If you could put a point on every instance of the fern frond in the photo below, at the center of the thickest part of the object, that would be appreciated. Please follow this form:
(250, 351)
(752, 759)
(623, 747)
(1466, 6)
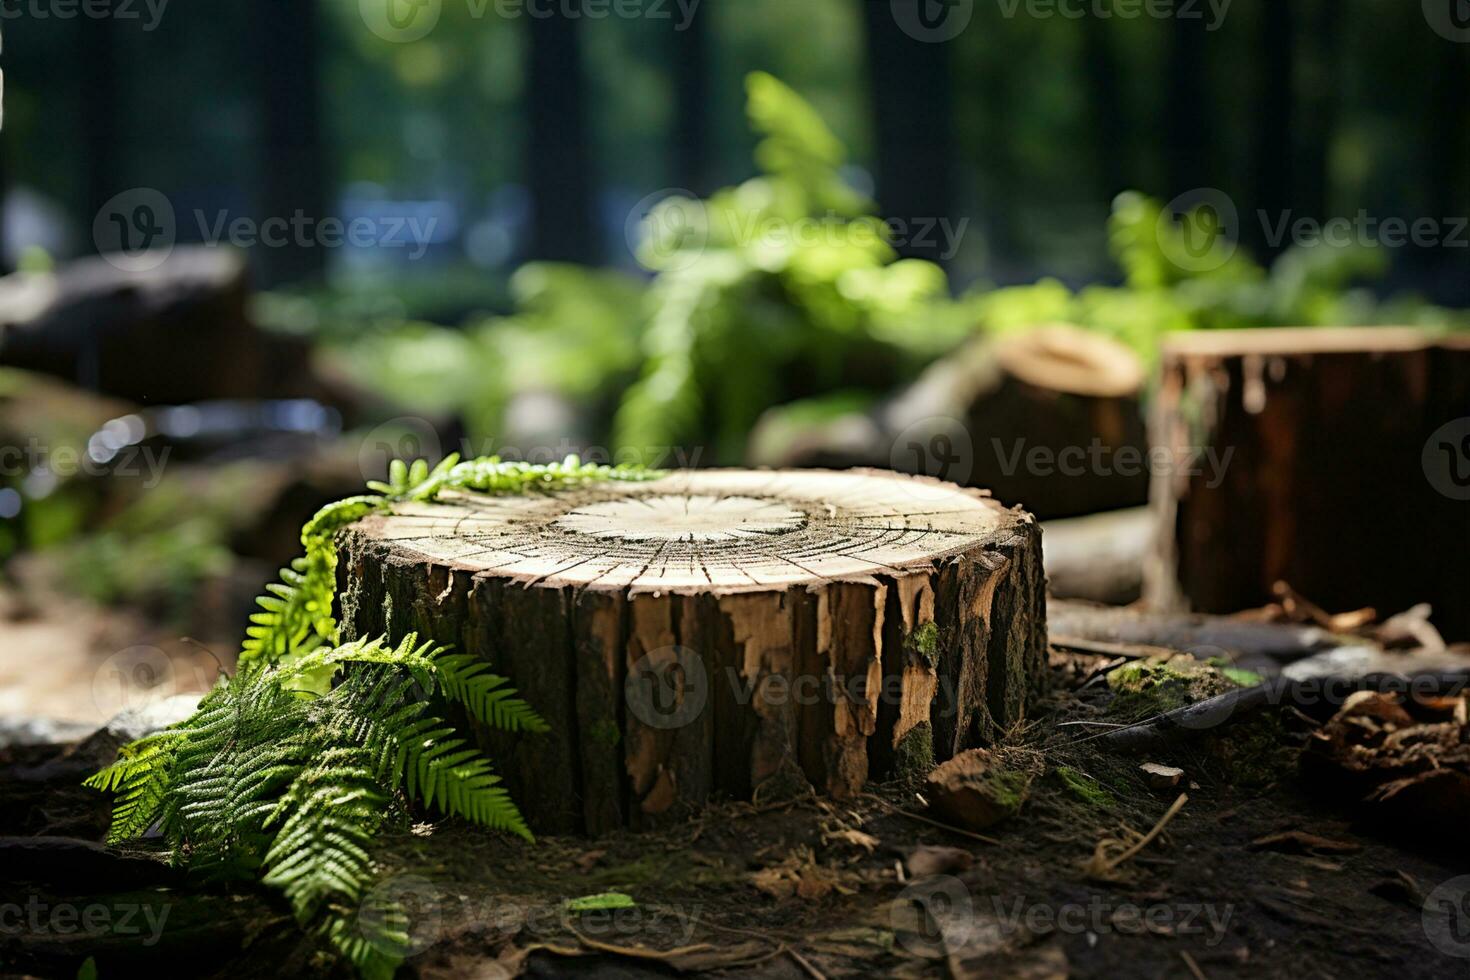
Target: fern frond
(324, 663)
(139, 780)
(468, 681)
(375, 940)
(439, 770)
(327, 821)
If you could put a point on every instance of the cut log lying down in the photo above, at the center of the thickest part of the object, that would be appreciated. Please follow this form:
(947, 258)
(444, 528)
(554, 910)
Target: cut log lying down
(1337, 460)
(1099, 557)
(1316, 694)
(1202, 635)
(719, 633)
(179, 332)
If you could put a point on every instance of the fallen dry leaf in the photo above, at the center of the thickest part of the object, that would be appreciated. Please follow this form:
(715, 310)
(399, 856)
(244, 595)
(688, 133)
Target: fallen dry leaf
(1160, 776)
(799, 876)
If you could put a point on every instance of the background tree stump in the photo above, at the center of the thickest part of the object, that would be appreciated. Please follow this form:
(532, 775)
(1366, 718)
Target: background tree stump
(1021, 415)
(719, 633)
(1348, 475)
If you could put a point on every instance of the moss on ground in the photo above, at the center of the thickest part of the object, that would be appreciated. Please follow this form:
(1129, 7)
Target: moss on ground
(1144, 688)
(1085, 788)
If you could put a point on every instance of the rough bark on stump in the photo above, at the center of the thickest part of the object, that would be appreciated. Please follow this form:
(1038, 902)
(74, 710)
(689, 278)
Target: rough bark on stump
(718, 634)
(1334, 483)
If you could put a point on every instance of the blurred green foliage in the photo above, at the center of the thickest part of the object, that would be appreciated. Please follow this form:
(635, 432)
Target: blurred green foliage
(786, 287)
(1164, 290)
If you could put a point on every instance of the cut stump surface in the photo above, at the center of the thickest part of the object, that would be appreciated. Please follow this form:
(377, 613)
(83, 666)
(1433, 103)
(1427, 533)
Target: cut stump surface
(718, 633)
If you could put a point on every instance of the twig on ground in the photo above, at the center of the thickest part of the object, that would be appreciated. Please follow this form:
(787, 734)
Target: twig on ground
(1101, 866)
(806, 965)
(1189, 961)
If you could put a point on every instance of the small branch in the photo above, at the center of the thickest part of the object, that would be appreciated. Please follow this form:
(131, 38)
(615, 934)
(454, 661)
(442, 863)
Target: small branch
(1101, 866)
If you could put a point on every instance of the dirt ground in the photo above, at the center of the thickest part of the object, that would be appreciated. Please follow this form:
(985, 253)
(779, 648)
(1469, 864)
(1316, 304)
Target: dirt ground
(1264, 870)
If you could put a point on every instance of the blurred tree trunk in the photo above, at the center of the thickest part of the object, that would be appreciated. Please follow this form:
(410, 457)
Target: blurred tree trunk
(1100, 64)
(100, 114)
(1274, 168)
(293, 167)
(559, 159)
(1188, 109)
(5, 259)
(1446, 142)
(1320, 109)
(692, 106)
(913, 128)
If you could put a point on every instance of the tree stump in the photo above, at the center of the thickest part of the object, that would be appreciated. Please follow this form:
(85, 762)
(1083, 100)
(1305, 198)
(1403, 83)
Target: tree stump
(718, 634)
(1048, 417)
(1348, 472)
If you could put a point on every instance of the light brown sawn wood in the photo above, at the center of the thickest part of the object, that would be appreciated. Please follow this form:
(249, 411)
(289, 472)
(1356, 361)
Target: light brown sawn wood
(721, 633)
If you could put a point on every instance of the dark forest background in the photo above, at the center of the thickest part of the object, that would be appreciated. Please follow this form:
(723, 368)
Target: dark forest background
(533, 137)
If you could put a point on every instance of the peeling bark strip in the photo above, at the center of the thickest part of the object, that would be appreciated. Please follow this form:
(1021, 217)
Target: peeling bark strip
(718, 634)
(1337, 460)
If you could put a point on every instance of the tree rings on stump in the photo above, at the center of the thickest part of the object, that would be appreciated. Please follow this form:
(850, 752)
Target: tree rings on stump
(718, 634)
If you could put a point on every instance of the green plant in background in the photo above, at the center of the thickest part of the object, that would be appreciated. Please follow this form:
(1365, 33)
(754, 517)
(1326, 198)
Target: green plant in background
(781, 287)
(1225, 288)
(291, 767)
(156, 549)
(786, 289)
